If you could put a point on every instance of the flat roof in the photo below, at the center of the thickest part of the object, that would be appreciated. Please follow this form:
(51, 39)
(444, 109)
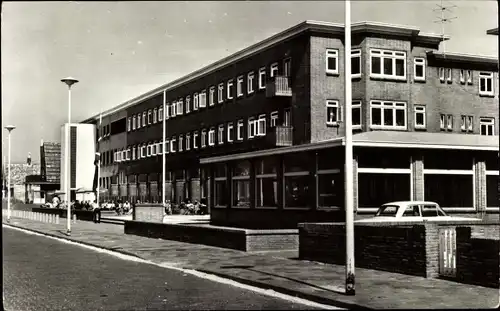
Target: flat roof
(384, 139)
(464, 58)
(360, 27)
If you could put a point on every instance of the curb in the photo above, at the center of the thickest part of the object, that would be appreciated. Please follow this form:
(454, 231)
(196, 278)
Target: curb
(75, 241)
(290, 292)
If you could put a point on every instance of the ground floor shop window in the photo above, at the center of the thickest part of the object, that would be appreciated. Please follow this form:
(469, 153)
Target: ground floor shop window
(449, 190)
(267, 192)
(492, 191)
(297, 191)
(377, 189)
(241, 193)
(220, 198)
(330, 190)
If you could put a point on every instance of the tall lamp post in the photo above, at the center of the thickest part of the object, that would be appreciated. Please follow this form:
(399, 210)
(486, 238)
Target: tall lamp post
(9, 128)
(164, 162)
(69, 82)
(349, 193)
(98, 155)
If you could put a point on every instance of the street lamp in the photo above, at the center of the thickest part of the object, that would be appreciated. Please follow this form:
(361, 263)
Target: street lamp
(69, 81)
(9, 128)
(98, 156)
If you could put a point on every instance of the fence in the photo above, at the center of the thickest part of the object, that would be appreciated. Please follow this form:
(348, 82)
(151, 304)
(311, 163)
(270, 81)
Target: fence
(42, 217)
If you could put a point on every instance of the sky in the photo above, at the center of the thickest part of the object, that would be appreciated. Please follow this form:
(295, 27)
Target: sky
(120, 50)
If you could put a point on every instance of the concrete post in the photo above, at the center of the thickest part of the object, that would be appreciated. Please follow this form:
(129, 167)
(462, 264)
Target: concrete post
(57, 219)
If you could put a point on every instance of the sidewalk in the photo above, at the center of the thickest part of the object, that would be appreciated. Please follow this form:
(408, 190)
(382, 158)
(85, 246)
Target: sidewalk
(281, 271)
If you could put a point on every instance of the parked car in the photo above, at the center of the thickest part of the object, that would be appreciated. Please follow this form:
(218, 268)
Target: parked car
(414, 211)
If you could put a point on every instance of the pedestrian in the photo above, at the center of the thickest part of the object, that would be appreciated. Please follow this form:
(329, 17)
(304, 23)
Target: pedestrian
(96, 212)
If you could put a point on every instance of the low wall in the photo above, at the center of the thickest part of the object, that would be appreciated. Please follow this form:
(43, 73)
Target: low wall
(477, 259)
(63, 213)
(225, 237)
(148, 212)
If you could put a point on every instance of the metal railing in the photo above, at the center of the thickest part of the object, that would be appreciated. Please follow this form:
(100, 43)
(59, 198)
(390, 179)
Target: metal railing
(284, 135)
(279, 86)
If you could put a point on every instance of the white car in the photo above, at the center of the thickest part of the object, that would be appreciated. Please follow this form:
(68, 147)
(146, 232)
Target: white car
(412, 211)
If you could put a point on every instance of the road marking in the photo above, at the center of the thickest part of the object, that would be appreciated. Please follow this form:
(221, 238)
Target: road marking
(211, 277)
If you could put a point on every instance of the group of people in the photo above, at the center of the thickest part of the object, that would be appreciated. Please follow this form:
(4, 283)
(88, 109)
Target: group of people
(121, 208)
(196, 208)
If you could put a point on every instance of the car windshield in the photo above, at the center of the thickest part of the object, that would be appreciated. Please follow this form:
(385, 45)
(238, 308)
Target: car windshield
(432, 211)
(387, 210)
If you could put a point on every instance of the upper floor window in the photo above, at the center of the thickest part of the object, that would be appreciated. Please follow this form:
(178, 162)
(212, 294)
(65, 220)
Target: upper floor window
(469, 76)
(160, 148)
(144, 119)
(356, 63)
(230, 130)
(220, 93)
(153, 149)
(466, 123)
(155, 115)
(332, 61)
(239, 86)
(180, 106)
(138, 121)
(173, 144)
(446, 122)
(188, 142)
(388, 64)
(211, 137)
(274, 118)
(160, 113)
(150, 117)
(143, 151)
(173, 110)
(274, 70)
(203, 138)
(203, 99)
(388, 114)
(168, 111)
(250, 79)
(188, 104)
(487, 126)
(211, 97)
(133, 152)
(332, 112)
(149, 150)
(195, 140)
(133, 122)
(220, 134)
(356, 114)
(251, 127)
(261, 126)
(419, 69)
(419, 116)
(486, 83)
(166, 146)
(239, 130)
(449, 75)
(462, 76)
(230, 89)
(262, 78)
(181, 143)
(441, 74)
(196, 101)
(287, 67)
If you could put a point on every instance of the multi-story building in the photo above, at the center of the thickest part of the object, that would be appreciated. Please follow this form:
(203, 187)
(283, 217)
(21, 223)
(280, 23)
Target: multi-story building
(259, 134)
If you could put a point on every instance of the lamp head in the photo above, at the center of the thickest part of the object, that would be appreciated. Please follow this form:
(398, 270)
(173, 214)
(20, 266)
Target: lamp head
(10, 128)
(69, 81)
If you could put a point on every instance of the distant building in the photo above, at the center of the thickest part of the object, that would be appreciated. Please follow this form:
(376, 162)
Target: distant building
(18, 174)
(41, 187)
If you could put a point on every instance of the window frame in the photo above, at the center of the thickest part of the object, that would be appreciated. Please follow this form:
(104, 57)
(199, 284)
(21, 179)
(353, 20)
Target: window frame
(202, 98)
(462, 76)
(239, 86)
(220, 134)
(261, 125)
(332, 53)
(134, 123)
(273, 69)
(144, 119)
(262, 78)
(483, 77)
(155, 115)
(173, 148)
(188, 141)
(332, 103)
(250, 80)
(150, 117)
(383, 54)
(129, 124)
(230, 128)
(418, 61)
(394, 106)
(203, 138)
(419, 109)
(449, 75)
(449, 125)
(469, 77)
(230, 84)
(220, 93)
(188, 104)
(239, 129)
(273, 119)
(356, 53)
(211, 136)
(160, 114)
(251, 128)
(211, 97)
(195, 136)
(357, 104)
(173, 110)
(487, 121)
(180, 145)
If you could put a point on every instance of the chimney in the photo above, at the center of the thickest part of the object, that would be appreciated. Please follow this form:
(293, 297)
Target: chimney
(41, 142)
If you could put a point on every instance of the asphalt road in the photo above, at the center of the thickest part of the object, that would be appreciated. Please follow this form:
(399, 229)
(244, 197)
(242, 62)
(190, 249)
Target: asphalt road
(44, 274)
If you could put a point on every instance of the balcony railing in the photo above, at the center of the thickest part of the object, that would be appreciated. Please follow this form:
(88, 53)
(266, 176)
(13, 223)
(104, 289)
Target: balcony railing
(282, 136)
(279, 86)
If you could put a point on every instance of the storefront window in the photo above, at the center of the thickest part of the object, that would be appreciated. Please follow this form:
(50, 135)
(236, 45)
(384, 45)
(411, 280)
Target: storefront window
(241, 184)
(297, 191)
(492, 191)
(298, 162)
(377, 189)
(375, 158)
(330, 159)
(267, 165)
(330, 190)
(267, 192)
(220, 193)
(449, 190)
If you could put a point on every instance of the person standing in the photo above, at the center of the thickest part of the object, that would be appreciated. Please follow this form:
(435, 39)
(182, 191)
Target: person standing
(96, 212)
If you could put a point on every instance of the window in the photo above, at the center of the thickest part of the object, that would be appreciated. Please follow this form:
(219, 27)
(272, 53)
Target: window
(274, 70)
(462, 76)
(266, 182)
(332, 112)
(188, 142)
(469, 76)
(239, 86)
(211, 137)
(133, 153)
(241, 184)
(332, 61)
(196, 101)
(487, 126)
(134, 124)
(188, 104)
(377, 189)
(419, 117)
(442, 122)
(230, 89)
(419, 69)
(129, 124)
(251, 127)
(155, 115)
(150, 117)
(466, 123)
(239, 130)
(388, 64)
(203, 138)
(172, 144)
(160, 113)
(160, 148)
(250, 83)
(144, 119)
(441, 74)
(449, 75)
(148, 150)
(449, 122)
(230, 130)
(262, 78)
(356, 63)
(203, 99)
(167, 111)
(220, 134)
(356, 114)
(180, 106)
(167, 146)
(297, 180)
(195, 140)
(220, 185)
(274, 118)
(181, 143)
(457, 193)
(153, 149)
(330, 189)
(386, 114)
(220, 93)
(485, 83)
(287, 67)
(261, 126)
(211, 98)
(143, 151)
(173, 110)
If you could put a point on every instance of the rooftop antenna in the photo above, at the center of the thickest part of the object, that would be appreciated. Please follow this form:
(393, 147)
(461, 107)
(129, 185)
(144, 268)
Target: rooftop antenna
(445, 9)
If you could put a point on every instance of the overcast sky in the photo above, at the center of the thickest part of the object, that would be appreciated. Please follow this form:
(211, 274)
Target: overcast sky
(119, 50)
